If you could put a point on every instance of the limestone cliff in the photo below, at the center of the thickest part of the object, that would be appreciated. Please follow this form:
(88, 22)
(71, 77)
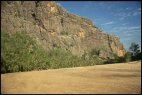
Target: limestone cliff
(54, 27)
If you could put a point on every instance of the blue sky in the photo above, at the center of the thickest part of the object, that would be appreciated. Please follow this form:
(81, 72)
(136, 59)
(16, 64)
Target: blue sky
(120, 18)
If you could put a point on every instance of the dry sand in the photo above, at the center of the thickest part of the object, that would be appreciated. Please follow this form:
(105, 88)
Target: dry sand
(109, 79)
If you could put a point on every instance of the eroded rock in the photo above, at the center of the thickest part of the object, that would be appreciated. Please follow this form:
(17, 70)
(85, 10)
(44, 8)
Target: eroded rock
(53, 26)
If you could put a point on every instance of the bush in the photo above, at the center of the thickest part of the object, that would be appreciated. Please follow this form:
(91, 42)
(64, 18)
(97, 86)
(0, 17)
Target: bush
(118, 59)
(21, 53)
(94, 52)
(128, 57)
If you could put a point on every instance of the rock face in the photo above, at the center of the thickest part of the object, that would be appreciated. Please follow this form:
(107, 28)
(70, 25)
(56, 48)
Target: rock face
(54, 27)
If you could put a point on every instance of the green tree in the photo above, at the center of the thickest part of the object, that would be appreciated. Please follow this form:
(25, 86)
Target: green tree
(94, 52)
(128, 56)
(134, 49)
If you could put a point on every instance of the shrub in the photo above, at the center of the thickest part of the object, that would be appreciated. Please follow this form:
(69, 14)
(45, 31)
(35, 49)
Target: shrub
(128, 57)
(21, 53)
(94, 52)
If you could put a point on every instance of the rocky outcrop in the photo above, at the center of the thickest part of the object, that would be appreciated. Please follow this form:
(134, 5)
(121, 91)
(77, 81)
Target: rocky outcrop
(54, 27)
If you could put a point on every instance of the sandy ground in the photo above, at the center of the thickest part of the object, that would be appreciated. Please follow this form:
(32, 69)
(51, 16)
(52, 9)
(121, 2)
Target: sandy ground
(112, 78)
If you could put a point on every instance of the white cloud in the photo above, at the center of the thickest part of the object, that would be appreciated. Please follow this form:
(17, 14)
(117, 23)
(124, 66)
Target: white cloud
(126, 14)
(139, 9)
(126, 29)
(107, 23)
(122, 15)
(134, 27)
(136, 13)
(127, 33)
(128, 8)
